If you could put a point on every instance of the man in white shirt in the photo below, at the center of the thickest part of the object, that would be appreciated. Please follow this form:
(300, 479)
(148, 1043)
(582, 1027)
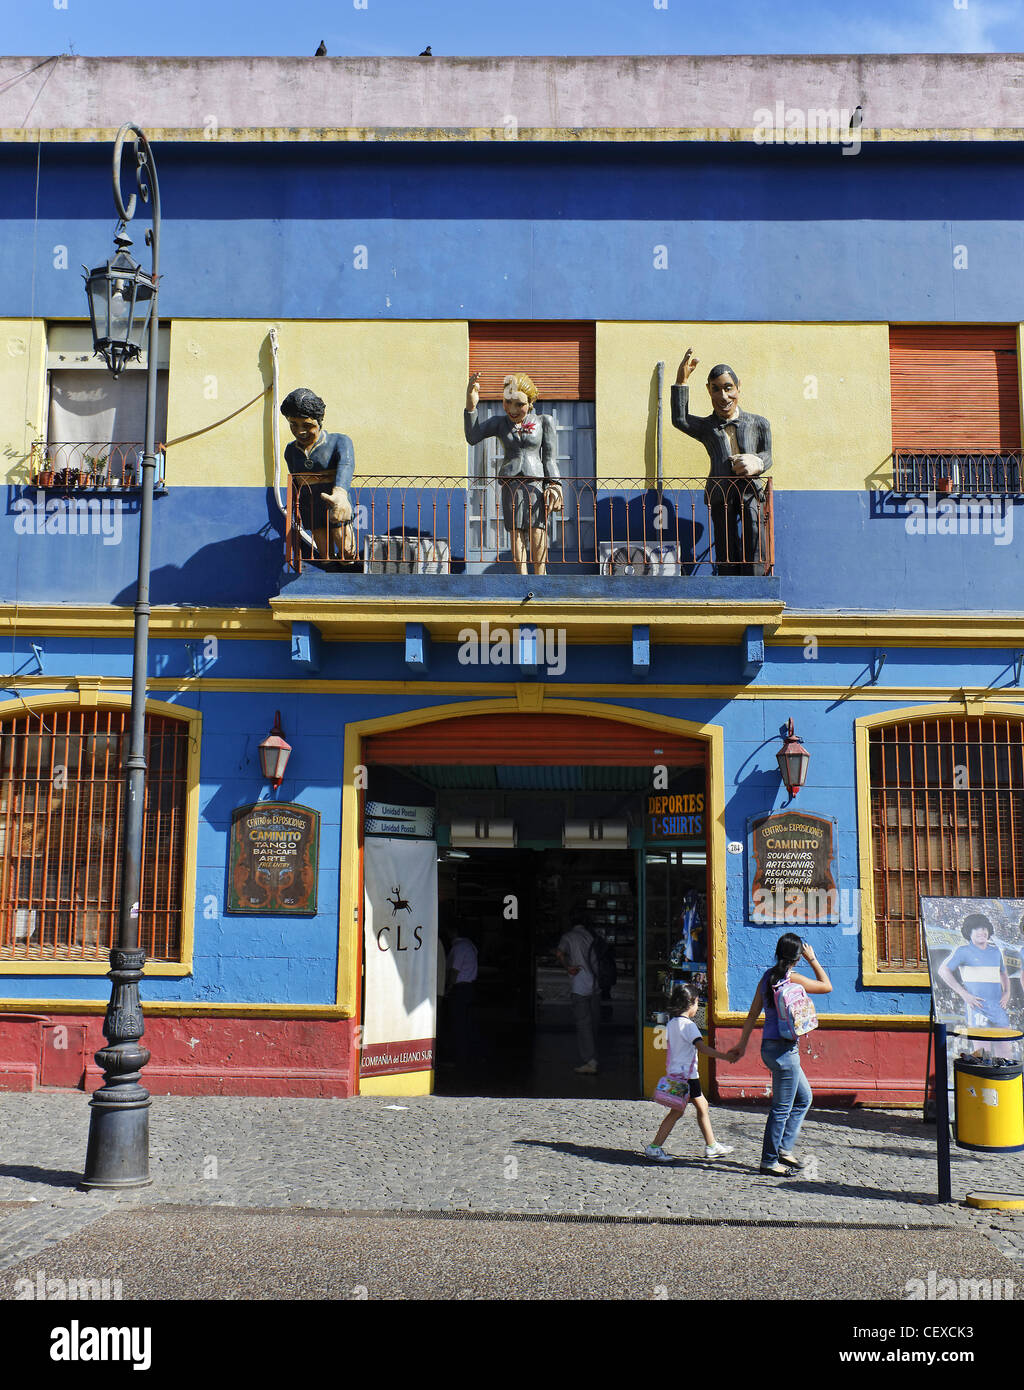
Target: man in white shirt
(462, 970)
(576, 953)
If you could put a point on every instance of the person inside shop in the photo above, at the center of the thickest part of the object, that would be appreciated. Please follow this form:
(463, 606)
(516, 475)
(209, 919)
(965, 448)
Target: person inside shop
(739, 446)
(460, 996)
(575, 952)
(325, 508)
(531, 485)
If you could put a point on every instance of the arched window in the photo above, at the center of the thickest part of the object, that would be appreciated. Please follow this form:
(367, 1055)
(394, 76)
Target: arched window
(61, 830)
(947, 820)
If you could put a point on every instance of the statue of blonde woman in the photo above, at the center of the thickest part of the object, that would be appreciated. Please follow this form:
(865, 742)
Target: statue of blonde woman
(529, 478)
(315, 451)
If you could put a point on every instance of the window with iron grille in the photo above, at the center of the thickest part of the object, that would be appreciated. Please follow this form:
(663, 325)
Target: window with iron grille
(955, 408)
(947, 820)
(61, 830)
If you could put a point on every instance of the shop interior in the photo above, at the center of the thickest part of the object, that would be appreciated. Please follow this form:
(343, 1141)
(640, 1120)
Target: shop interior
(516, 900)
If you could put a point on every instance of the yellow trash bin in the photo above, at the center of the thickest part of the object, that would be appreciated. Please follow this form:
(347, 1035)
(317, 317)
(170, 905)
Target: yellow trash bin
(989, 1099)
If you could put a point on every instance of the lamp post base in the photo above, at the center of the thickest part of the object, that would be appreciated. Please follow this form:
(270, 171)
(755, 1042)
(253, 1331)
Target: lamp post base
(118, 1152)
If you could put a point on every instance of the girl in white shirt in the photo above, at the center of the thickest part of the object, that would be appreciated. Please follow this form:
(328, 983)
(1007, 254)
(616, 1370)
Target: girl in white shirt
(684, 1042)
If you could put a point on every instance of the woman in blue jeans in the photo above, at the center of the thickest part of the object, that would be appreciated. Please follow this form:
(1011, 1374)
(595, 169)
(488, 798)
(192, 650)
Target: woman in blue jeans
(791, 1095)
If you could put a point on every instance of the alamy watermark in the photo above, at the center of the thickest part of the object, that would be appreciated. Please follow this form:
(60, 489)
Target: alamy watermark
(931, 515)
(69, 516)
(789, 906)
(54, 1289)
(519, 646)
(938, 1289)
(795, 125)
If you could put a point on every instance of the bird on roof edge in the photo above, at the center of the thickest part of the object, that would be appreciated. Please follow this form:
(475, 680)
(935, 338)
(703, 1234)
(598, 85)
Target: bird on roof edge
(426, 52)
(321, 51)
(857, 118)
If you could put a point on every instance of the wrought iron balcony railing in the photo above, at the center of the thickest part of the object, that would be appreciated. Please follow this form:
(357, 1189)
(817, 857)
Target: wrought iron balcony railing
(66, 465)
(608, 526)
(978, 473)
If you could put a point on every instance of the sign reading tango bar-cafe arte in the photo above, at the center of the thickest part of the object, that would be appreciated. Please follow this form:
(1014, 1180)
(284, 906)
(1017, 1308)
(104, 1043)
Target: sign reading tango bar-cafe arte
(272, 865)
(792, 878)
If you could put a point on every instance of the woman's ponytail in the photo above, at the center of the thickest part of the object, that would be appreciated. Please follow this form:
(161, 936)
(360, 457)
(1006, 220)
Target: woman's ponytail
(787, 953)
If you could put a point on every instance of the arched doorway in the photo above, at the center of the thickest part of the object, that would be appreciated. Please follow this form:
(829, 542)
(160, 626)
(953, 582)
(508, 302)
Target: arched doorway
(541, 820)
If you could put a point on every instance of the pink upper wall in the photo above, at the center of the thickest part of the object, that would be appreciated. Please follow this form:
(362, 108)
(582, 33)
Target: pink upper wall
(247, 96)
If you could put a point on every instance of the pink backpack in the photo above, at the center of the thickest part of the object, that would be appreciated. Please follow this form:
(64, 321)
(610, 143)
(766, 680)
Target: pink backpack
(794, 1009)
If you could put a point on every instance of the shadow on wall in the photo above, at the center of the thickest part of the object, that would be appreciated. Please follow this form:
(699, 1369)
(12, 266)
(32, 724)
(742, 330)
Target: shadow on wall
(240, 570)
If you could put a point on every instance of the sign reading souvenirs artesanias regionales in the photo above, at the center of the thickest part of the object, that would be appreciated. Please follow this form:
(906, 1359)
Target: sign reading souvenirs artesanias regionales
(273, 859)
(792, 880)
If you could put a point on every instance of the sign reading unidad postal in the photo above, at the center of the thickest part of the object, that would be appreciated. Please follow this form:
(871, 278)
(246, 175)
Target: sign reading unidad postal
(273, 859)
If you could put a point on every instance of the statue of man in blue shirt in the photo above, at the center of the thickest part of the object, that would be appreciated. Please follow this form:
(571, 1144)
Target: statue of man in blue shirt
(324, 508)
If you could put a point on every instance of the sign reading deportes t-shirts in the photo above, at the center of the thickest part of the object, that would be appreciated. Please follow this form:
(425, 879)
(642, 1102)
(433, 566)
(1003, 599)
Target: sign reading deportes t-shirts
(400, 954)
(793, 882)
(675, 816)
(272, 861)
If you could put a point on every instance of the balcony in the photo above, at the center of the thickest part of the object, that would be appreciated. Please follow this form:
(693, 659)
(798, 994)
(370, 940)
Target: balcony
(616, 529)
(978, 474)
(623, 553)
(69, 467)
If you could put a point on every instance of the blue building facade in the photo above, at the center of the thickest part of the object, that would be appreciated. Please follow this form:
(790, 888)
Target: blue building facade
(870, 306)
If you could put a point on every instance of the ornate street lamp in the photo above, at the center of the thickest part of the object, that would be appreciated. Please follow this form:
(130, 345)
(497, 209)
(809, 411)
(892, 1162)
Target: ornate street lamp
(122, 304)
(121, 298)
(793, 759)
(274, 753)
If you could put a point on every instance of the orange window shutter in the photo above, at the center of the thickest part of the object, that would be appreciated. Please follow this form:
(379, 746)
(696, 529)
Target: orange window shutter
(533, 740)
(954, 390)
(558, 356)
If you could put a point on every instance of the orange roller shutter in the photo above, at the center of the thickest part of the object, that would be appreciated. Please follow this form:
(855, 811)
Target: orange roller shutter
(558, 356)
(954, 390)
(532, 740)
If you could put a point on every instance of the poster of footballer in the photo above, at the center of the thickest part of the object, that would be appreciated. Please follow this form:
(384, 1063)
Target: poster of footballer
(974, 950)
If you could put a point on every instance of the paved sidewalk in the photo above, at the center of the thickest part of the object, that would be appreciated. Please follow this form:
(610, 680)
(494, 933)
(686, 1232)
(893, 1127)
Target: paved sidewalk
(536, 1157)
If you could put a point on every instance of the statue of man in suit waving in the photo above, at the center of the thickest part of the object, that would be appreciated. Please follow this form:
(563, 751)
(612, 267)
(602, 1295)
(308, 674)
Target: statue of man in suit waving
(739, 446)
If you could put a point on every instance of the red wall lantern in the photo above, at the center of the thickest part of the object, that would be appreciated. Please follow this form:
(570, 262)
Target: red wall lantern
(274, 753)
(793, 759)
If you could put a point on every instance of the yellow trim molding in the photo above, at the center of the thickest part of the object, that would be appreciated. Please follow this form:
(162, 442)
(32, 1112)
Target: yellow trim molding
(383, 619)
(871, 973)
(90, 696)
(108, 620)
(177, 1008)
(785, 627)
(896, 1023)
(487, 134)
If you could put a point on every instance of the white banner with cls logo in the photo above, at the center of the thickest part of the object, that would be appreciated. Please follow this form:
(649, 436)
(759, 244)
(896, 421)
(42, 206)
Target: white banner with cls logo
(400, 947)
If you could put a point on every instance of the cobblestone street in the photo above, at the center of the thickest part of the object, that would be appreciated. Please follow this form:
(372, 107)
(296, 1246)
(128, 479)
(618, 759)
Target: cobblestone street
(543, 1158)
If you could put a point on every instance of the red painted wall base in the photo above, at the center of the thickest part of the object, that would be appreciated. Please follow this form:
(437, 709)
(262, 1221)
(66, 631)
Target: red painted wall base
(316, 1057)
(844, 1067)
(191, 1056)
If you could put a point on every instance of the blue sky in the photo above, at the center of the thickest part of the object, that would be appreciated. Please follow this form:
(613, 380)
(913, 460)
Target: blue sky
(358, 28)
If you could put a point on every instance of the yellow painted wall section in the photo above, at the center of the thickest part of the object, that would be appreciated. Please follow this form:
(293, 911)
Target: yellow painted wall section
(824, 389)
(404, 1083)
(22, 405)
(397, 388)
